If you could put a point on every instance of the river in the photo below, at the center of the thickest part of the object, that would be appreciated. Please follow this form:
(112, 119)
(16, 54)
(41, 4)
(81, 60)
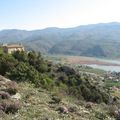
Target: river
(107, 68)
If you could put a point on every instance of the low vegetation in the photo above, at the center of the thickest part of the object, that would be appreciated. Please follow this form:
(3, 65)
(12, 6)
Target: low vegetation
(8, 91)
(56, 79)
(31, 67)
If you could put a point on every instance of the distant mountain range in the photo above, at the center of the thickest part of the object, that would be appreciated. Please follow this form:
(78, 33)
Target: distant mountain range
(97, 40)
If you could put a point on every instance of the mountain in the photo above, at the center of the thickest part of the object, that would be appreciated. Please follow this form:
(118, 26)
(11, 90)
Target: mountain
(98, 40)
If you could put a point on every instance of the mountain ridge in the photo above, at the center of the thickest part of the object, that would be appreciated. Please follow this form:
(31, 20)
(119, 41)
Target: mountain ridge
(96, 40)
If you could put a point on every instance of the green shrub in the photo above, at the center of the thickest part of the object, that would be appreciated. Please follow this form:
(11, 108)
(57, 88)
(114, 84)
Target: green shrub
(56, 99)
(24, 72)
(100, 115)
(111, 110)
(7, 63)
(86, 93)
(31, 67)
(21, 56)
(46, 82)
(42, 68)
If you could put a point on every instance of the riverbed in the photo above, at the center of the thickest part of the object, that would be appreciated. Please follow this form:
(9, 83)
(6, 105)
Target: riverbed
(105, 64)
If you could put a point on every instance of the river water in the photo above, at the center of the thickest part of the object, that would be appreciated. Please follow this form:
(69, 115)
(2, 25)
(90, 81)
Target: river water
(107, 68)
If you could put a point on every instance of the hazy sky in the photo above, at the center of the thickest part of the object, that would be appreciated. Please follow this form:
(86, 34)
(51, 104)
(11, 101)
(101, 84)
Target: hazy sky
(38, 14)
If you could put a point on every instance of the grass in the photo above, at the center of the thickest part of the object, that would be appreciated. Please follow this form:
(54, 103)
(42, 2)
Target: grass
(1, 50)
(91, 70)
(36, 105)
(116, 94)
(112, 83)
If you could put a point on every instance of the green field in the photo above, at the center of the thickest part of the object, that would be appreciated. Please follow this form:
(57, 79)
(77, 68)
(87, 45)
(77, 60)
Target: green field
(112, 83)
(1, 50)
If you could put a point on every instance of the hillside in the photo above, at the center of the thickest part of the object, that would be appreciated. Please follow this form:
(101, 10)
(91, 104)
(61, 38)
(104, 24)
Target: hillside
(39, 89)
(39, 104)
(98, 40)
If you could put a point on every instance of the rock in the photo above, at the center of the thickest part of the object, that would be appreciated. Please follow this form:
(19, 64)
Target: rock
(4, 95)
(17, 96)
(26, 104)
(63, 109)
(117, 114)
(4, 79)
(72, 109)
(1, 108)
(89, 105)
(86, 112)
(10, 97)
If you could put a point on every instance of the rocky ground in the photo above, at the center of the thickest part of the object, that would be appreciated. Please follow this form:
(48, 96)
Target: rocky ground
(25, 102)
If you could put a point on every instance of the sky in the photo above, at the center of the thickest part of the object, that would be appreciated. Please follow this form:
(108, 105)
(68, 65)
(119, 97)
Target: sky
(39, 14)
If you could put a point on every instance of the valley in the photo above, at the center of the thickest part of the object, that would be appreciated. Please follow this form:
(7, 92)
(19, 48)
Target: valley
(104, 64)
(94, 40)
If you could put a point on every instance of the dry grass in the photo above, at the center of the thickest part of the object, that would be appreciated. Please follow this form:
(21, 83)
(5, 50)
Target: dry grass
(36, 105)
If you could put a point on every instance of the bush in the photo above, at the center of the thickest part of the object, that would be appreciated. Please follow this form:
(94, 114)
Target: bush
(4, 95)
(72, 82)
(96, 96)
(75, 91)
(86, 93)
(46, 82)
(24, 72)
(100, 115)
(41, 67)
(67, 70)
(111, 110)
(20, 56)
(56, 99)
(7, 63)
(11, 88)
(105, 97)
(37, 62)
(9, 106)
(31, 67)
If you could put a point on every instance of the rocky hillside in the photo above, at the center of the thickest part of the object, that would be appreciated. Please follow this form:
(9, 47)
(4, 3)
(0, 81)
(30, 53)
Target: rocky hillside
(42, 90)
(39, 104)
(9, 97)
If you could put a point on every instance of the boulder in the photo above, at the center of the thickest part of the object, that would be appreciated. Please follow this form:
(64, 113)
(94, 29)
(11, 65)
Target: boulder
(63, 109)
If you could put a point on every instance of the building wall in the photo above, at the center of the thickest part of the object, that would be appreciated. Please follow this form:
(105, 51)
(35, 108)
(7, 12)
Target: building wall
(10, 50)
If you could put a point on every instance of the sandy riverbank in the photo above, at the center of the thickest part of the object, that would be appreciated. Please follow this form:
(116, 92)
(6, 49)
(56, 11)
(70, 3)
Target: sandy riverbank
(89, 61)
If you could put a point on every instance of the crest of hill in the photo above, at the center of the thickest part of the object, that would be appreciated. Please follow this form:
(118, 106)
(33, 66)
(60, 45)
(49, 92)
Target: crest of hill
(98, 40)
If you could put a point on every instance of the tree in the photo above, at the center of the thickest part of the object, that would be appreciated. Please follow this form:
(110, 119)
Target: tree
(24, 72)
(7, 62)
(20, 56)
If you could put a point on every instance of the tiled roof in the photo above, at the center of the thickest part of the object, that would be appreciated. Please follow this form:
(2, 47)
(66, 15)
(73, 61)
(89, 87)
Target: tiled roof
(14, 46)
